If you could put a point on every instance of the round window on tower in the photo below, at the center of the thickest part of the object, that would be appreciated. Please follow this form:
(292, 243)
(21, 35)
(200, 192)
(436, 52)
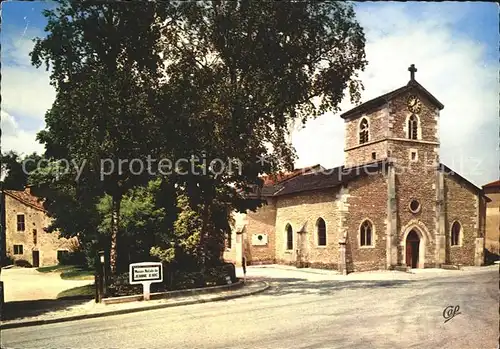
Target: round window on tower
(260, 237)
(414, 206)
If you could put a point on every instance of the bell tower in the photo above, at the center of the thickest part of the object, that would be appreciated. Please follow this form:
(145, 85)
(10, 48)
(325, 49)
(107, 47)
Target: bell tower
(401, 125)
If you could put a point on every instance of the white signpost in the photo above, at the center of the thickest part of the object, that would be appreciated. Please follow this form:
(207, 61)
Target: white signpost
(145, 273)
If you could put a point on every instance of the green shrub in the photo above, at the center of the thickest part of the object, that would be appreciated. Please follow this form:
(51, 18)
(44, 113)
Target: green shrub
(174, 280)
(8, 260)
(72, 258)
(22, 263)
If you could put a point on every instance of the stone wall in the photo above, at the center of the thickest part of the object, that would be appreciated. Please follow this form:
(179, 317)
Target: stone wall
(415, 176)
(302, 211)
(367, 200)
(416, 181)
(231, 251)
(46, 243)
(356, 153)
(261, 222)
(462, 206)
(428, 118)
(365, 153)
(492, 220)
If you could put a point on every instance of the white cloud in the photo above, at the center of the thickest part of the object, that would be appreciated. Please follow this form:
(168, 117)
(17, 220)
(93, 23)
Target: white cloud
(14, 138)
(450, 66)
(26, 90)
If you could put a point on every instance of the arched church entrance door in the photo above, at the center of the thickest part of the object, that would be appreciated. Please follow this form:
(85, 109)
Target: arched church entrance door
(412, 249)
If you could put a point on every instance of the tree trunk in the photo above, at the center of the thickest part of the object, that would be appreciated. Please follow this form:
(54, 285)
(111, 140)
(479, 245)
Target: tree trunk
(115, 221)
(203, 237)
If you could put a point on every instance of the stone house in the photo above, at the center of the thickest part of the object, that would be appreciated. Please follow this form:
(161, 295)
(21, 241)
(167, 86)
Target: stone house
(24, 221)
(392, 205)
(492, 191)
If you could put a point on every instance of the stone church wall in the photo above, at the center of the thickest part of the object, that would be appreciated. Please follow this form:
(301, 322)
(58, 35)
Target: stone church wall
(462, 206)
(428, 116)
(416, 180)
(261, 222)
(367, 200)
(358, 154)
(415, 177)
(492, 243)
(302, 211)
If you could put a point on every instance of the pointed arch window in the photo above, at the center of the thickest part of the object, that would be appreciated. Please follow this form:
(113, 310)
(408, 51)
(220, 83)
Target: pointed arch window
(363, 131)
(289, 237)
(456, 228)
(413, 127)
(366, 234)
(321, 226)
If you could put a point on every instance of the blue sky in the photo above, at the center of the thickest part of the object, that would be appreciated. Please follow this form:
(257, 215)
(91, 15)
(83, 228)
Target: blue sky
(454, 45)
(476, 20)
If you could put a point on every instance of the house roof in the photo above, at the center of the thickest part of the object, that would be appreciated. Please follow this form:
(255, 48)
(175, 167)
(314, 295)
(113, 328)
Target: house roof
(281, 177)
(26, 198)
(381, 100)
(334, 177)
(446, 170)
(495, 184)
(329, 178)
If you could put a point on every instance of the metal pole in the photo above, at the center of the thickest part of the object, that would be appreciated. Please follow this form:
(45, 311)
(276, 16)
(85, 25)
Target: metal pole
(244, 265)
(97, 284)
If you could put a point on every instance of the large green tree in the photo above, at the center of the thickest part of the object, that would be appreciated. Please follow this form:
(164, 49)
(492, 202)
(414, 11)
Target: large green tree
(214, 79)
(104, 63)
(246, 71)
(15, 169)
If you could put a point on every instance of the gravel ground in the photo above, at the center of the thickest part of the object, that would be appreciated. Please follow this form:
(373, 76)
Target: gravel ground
(23, 284)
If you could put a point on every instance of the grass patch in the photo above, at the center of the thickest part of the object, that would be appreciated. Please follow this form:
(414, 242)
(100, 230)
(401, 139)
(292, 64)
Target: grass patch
(77, 274)
(54, 268)
(69, 272)
(87, 291)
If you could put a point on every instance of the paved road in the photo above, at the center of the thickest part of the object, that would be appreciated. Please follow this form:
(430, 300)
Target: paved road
(22, 284)
(301, 310)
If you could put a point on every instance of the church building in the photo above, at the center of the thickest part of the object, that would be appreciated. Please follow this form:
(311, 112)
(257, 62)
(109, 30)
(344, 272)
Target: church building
(392, 205)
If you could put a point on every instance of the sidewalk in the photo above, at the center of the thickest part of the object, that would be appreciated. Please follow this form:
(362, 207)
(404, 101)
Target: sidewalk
(78, 310)
(273, 271)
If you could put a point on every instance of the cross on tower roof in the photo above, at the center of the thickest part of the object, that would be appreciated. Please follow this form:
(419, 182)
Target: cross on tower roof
(412, 71)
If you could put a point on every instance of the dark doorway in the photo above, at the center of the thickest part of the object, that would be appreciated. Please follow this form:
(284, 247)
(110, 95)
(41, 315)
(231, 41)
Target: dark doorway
(412, 249)
(36, 259)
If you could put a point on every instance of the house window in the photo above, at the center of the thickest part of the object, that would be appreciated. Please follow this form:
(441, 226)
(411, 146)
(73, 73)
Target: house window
(20, 222)
(413, 155)
(374, 156)
(366, 234)
(35, 237)
(321, 232)
(18, 249)
(363, 131)
(455, 234)
(414, 206)
(289, 237)
(413, 127)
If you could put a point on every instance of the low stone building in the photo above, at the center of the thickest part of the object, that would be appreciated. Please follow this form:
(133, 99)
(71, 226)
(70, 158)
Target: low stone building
(492, 191)
(24, 221)
(391, 205)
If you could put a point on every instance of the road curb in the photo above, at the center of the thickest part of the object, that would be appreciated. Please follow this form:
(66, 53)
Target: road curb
(174, 294)
(129, 311)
